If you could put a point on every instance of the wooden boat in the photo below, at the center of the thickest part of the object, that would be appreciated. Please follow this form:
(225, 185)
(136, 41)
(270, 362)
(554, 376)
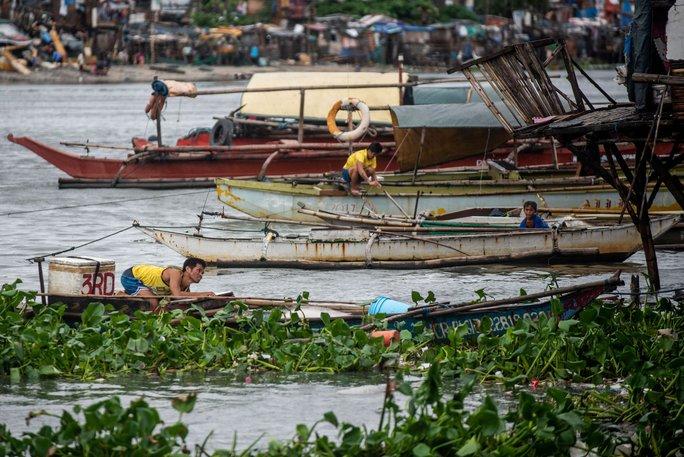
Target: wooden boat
(356, 248)
(265, 148)
(282, 199)
(76, 304)
(479, 219)
(440, 318)
(503, 314)
(191, 165)
(186, 162)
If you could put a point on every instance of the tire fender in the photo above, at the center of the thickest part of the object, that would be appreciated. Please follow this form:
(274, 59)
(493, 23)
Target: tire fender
(222, 133)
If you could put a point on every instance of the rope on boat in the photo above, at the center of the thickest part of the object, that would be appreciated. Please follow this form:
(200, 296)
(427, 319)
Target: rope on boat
(396, 151)
(219, 229)
(484, 157)
(40, 258)
(650, 292)
(29, 211)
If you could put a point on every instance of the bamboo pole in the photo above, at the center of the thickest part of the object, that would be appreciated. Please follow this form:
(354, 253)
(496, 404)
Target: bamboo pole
(300, 129)
(509, 76)
(396, 204)
(522, 83)
(403, 225)
(500, 90)
(96, 145)
(576, 91)
(593, 83)
(486, 100)
(241, 90)
(307, 127)
(261, 147)
(250, 301)
(544, 82)
(552, 56)
(658, 79)
(420, 151)
(533, 81)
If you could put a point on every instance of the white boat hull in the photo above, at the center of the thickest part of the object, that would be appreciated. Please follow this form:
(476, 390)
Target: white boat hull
(361, 249)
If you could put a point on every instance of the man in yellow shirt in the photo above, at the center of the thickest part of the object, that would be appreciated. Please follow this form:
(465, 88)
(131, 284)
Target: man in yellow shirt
(360, 166)
(152, 281)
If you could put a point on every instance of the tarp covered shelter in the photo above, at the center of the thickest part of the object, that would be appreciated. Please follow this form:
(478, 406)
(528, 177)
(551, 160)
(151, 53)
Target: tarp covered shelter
(452, 131)
(317, 103)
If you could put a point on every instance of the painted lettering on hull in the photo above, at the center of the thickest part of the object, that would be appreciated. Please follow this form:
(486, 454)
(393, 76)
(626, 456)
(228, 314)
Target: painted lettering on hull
(500, 323)
(343, 207)
(102, 285)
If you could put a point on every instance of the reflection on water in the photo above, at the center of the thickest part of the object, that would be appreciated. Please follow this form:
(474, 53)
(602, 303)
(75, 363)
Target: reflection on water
(269, 407)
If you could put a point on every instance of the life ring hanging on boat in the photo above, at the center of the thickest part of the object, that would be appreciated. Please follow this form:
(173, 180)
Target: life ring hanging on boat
(360, 129)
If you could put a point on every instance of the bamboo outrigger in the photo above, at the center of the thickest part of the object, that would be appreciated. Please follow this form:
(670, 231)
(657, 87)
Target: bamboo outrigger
(281, 199)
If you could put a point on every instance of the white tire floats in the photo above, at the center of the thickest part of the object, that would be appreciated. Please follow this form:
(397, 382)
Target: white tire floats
(360, 130)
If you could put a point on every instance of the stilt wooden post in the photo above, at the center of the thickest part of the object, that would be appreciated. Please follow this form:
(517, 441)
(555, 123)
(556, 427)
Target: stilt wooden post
(159, 132)
(350, 125)
(633, 197)
(644, 227)
(300, 130)
(41, 279)
(634, 289)
(420, 150)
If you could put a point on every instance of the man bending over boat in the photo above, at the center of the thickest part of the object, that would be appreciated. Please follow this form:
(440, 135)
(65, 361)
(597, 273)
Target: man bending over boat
(152, 281)
(360, 166)
(532, 219)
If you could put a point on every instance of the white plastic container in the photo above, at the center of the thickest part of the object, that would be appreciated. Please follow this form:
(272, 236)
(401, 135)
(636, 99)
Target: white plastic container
(76, 276)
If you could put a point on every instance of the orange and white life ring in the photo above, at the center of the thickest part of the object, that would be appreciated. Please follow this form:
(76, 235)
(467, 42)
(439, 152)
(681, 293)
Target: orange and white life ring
(360, 129)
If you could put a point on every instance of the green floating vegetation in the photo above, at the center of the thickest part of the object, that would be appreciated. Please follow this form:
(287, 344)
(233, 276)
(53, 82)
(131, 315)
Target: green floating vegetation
(430, 426)
(108, 342)
(640, 348)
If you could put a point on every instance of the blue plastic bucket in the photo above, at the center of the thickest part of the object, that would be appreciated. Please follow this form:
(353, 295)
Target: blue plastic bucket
(385, 305)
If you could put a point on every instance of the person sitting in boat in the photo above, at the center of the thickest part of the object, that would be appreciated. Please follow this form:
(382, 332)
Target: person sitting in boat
(145, 280)
(360, 166)
(532, 219)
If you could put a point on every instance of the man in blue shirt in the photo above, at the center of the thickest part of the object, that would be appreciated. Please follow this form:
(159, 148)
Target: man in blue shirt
(532, 219)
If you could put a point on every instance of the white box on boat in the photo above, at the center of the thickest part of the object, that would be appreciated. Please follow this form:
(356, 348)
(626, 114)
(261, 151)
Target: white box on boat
(81, 276)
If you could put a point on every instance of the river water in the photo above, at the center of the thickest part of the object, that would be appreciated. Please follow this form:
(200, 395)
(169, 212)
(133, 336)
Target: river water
(112, 114)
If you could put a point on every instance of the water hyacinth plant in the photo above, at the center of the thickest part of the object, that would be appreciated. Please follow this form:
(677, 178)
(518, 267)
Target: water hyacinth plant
(107, 342)
(432, 424)
(638, 347)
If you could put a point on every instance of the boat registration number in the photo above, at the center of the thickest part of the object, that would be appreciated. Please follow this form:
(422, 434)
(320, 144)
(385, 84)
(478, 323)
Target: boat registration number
(101, 284)
(499, 323)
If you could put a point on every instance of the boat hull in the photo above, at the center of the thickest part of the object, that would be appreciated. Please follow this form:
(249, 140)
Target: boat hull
(282, 200)
(441, 320)
(363, 249)
(501, 319)
(184, 165)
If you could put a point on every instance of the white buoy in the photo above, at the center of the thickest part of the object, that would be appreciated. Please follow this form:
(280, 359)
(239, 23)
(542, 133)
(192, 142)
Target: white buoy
(81, 276)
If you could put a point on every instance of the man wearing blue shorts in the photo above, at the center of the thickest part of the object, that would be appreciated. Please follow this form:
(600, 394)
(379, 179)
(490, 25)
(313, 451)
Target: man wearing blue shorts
(360, 166)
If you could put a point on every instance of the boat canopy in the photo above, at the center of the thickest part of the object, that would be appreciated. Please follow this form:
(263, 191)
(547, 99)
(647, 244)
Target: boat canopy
(317, 103)
(470, 115)
(430, 95)
(451, 132)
